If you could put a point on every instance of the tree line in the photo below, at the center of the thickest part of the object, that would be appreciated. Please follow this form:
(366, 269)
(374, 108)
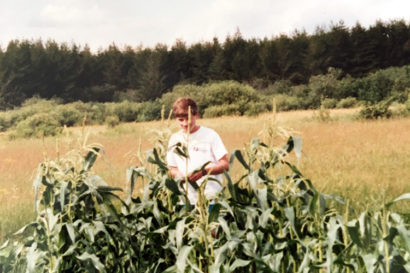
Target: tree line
(69, 72)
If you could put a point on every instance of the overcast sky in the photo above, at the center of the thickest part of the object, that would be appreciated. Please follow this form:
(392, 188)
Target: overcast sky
(99, 23)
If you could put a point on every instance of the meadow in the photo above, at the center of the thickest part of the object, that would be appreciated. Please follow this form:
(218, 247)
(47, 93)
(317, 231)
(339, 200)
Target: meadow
(366, 162)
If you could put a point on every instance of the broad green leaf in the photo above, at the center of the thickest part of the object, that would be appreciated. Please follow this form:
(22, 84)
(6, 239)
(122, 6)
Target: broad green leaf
(70, 250)
(354, 232)
(297, 144)
(157, 160)
(182, 258)
(24, 228)
(94, 259)
(51, 219)
(36, 186)
(62, 194)
(289, 145)
(254, 144)
(172, 186)
(91, 158)
(179, 233)
(34, 255)
(194, 185)
(231, 188)
(70, 230)
(370, 262)
(404, 233)
(238, 155)
(220, 256)
(405, 196)
(304, 266)
(238, 263)
(290, 215)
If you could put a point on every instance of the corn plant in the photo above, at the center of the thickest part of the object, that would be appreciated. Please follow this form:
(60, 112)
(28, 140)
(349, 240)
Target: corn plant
(268, 218)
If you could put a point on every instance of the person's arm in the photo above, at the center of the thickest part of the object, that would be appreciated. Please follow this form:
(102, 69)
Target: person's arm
(175, 173)
(223, 165)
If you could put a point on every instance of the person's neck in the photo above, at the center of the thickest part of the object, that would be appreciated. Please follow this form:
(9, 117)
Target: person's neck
(195, 129)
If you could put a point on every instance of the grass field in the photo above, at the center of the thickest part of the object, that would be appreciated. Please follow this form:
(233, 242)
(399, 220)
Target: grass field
(366, 162)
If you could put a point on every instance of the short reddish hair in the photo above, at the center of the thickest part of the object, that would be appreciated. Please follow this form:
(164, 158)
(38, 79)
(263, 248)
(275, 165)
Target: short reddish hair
(181, 106)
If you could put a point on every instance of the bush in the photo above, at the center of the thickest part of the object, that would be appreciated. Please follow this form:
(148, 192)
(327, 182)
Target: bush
(348, 102)
(68, 115)
(305, 97)
(38, 125)
(326, 85)
(255, 108)
(126, 111)
(375, 87)
(149, 110)
(278, 87)
(376, 110)
(5, 123)
(214, 94)
(328, 103)
(407, 105)
(180, 90)
(221, 110)
(85, 110)
(112, 121)
(98, 113)
(286, 103)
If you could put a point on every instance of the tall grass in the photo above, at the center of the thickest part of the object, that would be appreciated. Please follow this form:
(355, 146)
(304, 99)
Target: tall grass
(363, 161)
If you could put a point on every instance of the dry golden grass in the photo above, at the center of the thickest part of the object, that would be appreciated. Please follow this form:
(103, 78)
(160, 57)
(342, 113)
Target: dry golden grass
(366, 162)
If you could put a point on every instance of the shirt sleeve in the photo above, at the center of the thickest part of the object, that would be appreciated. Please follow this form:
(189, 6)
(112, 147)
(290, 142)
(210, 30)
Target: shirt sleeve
(218, 147)
(171, 161)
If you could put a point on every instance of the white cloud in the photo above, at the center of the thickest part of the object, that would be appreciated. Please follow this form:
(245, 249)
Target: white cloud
(69, 13)
(133, 22)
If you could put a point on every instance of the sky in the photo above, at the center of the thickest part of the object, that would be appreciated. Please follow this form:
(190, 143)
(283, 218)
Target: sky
(137, 23)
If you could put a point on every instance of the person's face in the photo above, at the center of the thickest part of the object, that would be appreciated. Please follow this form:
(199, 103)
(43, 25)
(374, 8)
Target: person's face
(183, 123)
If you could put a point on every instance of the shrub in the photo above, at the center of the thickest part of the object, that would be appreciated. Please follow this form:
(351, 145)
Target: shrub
(181, 90)
(112, 121)
(221, 110)
(375, 87)
(214, 94)
(278, 87)
(329, 103)
(255, 108)
(38, 125)
(376, 110)
(348, 102)
(286, 102)
(407, 105)
(98, 113)
(149, 110)
(85, 109)
(227, 92)
(126, 111)
(67, 115)
(325, 85)
(306, 98)
(4, 121)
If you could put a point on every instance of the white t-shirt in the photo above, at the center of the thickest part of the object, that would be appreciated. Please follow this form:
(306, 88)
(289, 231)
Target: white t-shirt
(204, 145)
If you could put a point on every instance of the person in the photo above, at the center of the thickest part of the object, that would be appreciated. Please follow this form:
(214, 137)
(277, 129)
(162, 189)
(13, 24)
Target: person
(203, 145)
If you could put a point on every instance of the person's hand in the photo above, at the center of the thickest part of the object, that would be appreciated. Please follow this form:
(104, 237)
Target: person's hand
(196, 176)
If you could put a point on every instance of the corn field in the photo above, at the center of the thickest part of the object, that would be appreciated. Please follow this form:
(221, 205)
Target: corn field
(269, 218)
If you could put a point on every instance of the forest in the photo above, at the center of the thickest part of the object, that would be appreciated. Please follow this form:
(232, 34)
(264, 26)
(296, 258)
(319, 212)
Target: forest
(69, 72)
